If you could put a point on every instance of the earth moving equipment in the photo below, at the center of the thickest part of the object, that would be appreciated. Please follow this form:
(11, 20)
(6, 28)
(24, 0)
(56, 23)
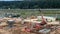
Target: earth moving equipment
(37, 26)
(43, 20)
(40, 25)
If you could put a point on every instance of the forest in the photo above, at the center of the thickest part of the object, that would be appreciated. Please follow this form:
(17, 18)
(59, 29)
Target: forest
(43, 4)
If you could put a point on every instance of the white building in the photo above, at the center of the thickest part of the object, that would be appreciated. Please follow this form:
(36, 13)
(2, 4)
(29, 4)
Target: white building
(47, 18)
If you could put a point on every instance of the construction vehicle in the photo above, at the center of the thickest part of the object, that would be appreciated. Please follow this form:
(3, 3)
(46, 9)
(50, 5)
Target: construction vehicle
(37, 25)
(43, 22)
(42, 25)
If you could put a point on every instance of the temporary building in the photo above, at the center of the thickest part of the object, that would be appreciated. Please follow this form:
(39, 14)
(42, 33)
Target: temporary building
(47, 18)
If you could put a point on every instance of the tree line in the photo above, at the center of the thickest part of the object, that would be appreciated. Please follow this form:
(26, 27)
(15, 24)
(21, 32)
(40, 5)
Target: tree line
(30, 4)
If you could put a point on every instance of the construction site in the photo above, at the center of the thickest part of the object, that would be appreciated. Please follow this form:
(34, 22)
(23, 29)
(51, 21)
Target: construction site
(16, 24)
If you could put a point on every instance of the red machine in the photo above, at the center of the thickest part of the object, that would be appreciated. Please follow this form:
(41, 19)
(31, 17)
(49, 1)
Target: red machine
(37, 26)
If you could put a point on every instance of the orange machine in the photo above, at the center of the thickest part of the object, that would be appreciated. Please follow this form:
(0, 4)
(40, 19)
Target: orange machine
(37, 26)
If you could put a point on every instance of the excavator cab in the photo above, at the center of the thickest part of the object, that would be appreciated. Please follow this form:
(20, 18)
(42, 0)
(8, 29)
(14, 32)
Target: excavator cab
(43, 23)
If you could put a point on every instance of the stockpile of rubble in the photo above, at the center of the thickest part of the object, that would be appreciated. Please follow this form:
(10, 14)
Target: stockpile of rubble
(26, 26)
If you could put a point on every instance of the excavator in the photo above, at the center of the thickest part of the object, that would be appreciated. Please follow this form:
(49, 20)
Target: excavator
(37, 25)
(43, 22)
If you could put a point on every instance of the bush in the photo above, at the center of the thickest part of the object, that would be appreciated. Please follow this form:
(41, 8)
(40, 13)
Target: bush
(57, 18)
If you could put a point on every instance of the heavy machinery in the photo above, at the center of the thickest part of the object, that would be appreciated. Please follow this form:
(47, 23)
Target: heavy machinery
(34, 24)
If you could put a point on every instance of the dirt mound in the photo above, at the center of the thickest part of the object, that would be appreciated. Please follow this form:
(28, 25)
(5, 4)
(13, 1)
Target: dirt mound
(4, 32)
